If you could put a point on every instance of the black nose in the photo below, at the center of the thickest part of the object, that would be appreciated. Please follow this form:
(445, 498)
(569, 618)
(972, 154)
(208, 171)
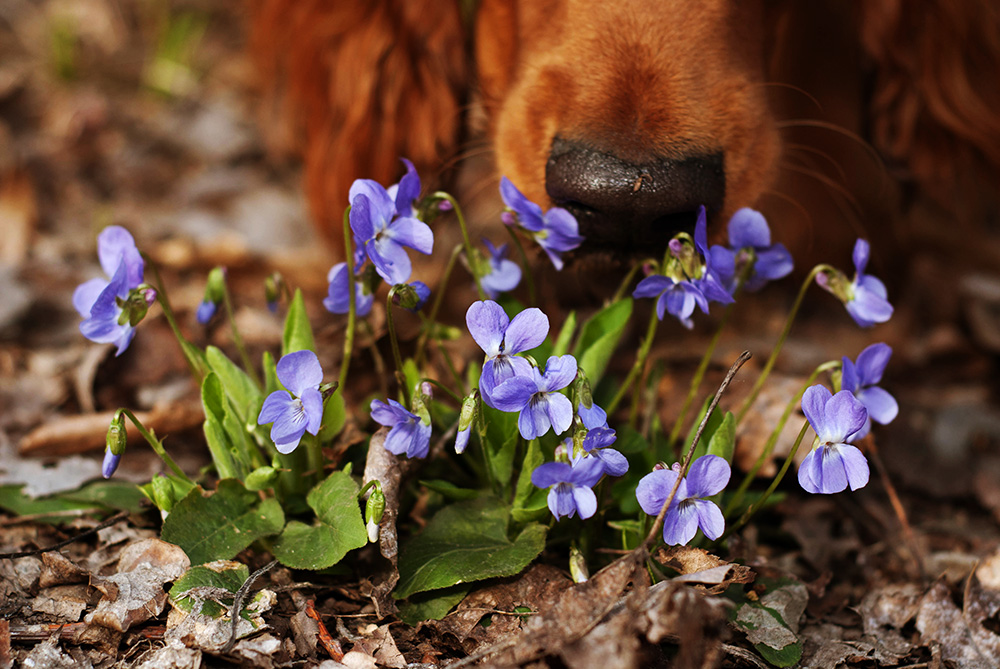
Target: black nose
(626, 207)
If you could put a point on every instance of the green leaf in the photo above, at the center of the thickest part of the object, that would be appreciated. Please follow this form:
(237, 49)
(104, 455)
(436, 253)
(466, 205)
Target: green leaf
(501, 443)
(339, 527)
(217, 526)
(98, 496)
(533, 457)
(599, 338)
(222, 575)
(298, 334)
(433, 605)
(770, 621)
(213, 399)
(166, 491)
(463, 543)
(270, 368)
(242, 392)
(450, 490)
(723, 441)
(108, 494)
(565, 335)
(334, 417)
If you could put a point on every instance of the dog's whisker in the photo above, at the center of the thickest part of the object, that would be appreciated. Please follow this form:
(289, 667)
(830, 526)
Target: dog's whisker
(792, 87)
(833, 127)
(812, 150)
(852, 213)
(810, 224)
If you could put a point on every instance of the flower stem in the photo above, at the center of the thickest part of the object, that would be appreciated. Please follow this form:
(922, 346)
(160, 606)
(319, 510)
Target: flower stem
(752, 509)
(699, 376)
(772, 440)
(528, 279)
(352, 311)
(192, 354)
(156, 445)
(781, 342)
(640, 363)
(451, 393)
(390, 326)
(237, 338)
(469, 251)
(438, 297)
(623, 287)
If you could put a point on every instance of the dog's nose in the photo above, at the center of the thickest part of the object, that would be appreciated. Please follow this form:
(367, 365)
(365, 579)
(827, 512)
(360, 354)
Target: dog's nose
(632, 207)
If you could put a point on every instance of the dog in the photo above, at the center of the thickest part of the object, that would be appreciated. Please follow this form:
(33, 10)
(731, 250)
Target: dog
(835, 119)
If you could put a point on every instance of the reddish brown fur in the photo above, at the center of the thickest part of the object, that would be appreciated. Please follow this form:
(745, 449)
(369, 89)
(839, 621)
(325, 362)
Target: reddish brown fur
(371, 81)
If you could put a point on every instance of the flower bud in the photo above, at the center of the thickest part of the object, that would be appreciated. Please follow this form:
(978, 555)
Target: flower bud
(836, 282)
(273, 288)
(508, 218)
(215, 290)
(470, 405)
(419, 407)
(581, 387)
(110, 464)
(410, 296)
(374, 509)
(578, 566)
(115, 441)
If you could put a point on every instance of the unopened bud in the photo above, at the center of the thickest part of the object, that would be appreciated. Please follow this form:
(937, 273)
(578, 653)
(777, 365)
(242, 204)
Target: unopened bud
(470, 405)
(115, 441)
(836, 282)
(578, 566)
(374, 509)
(508, 218)
(410, 296)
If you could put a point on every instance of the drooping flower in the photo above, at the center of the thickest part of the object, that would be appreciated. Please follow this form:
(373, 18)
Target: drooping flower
(597, 444)
(502, 339)
(409, 434)
(504, 274)
(215, 290)
(299, 409)
(110, 464)
(470, 405)
(411, 296)
(594, 417)
(688, 280)
(833, 464)
(338, 299)
(556, 230)
(690, 508)
(865, 298)
(101, 301)
(383, 232)
(862, 380)
(750, 238)
(570, 486)
(535, 396)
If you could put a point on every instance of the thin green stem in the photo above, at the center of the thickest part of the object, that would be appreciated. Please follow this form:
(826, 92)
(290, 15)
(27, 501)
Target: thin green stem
(469, 251)
(459, 382)
(237, 338)
(443, 387)
(623, 286)
(352, 311)
(190, 351)
(156, 445)
(528, 278)
(781, 342)
(752, 509)
(640, 363)
(772, 440)
(699, 376)
(397, 356)
(431, 319)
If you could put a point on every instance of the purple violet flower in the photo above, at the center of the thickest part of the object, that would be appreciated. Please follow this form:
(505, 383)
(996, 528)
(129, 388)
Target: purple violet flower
(408, 435)
(299, 409)
(504, 274)
(535, 397)
(862, 379)
(338, 299)
(100, 301)
(690, 508)
(570, 484)
(556, 231)
(833, 464)
(689, 281)
(205, 311)
(865, 298)
(406, 192)
(749, 234)
(502, 339)
(597, 443)
(382, 232)
(594, 417)
(110, 464)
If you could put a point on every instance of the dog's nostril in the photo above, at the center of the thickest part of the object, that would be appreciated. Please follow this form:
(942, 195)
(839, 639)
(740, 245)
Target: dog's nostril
(631, 206)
